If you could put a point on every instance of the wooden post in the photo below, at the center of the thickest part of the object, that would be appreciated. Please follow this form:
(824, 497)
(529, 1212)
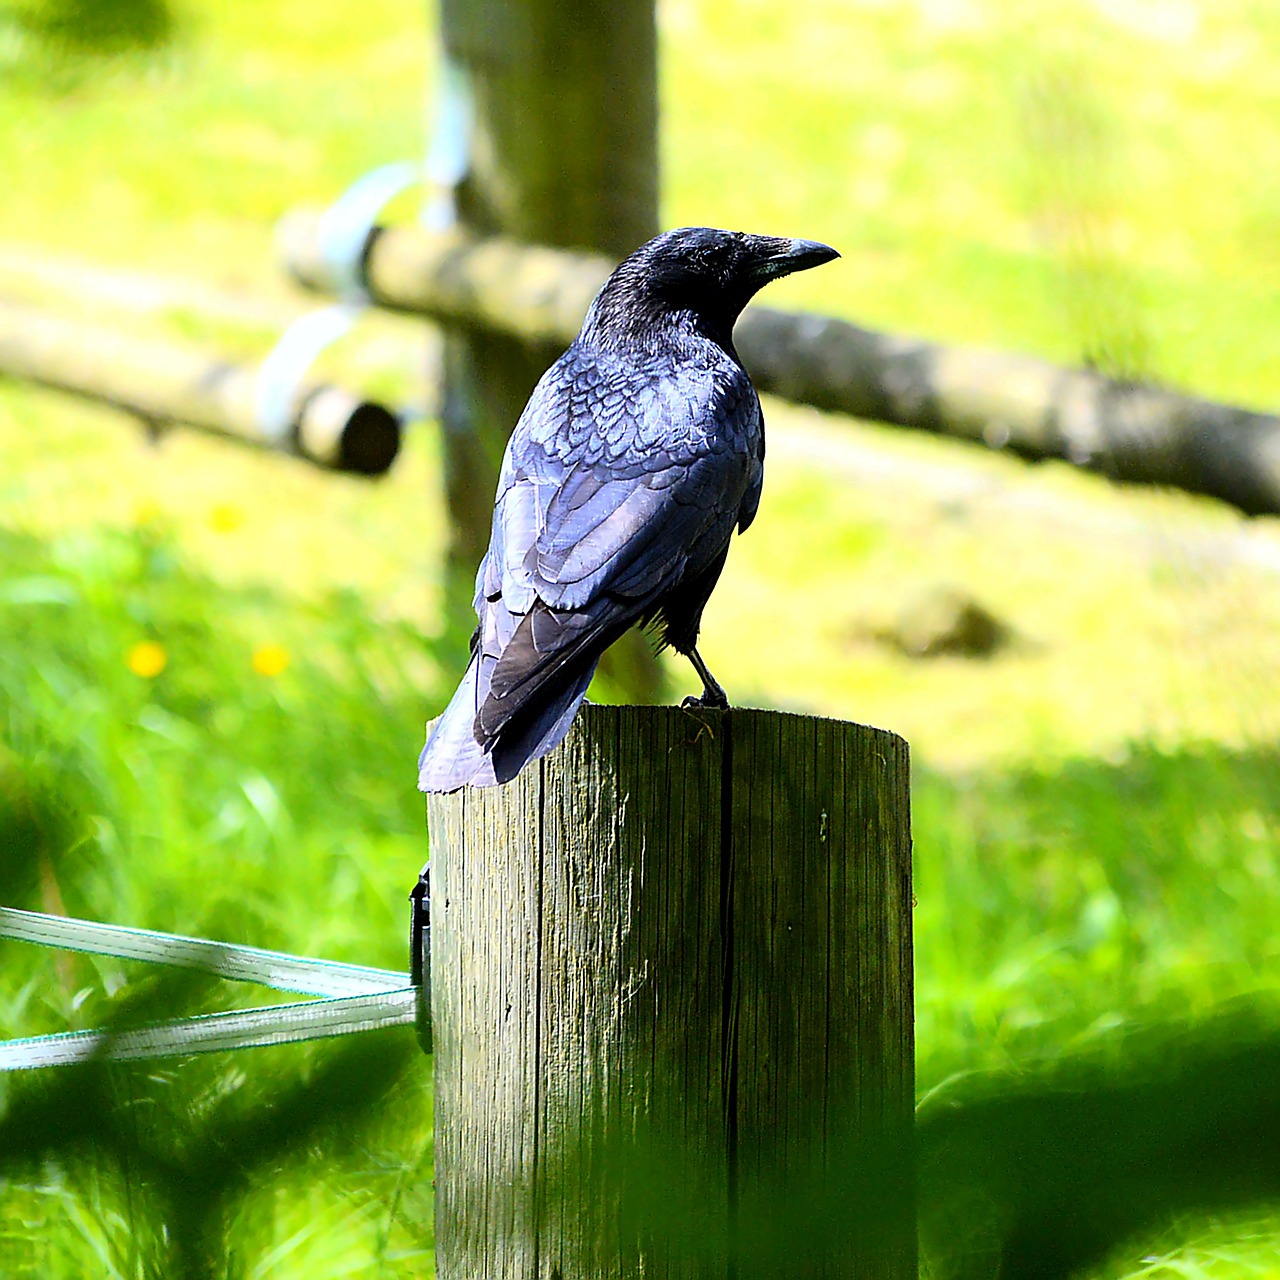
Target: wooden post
(563, 153)
(672, 1005)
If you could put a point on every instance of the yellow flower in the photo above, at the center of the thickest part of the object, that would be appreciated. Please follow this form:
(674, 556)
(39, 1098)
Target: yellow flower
(148, 511)
(225, 517)
(270, 660)
(147, 659)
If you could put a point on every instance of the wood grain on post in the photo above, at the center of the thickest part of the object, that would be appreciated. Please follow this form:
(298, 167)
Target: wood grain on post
(672, 1004)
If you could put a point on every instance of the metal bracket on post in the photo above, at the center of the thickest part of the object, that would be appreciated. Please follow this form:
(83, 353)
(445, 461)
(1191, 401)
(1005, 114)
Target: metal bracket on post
(420, 954)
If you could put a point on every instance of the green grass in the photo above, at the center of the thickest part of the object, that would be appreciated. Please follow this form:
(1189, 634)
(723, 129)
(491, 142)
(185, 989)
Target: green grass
(982, 164)
(1090, 895)
(211, 757)
(268, 806)
(1097, 808)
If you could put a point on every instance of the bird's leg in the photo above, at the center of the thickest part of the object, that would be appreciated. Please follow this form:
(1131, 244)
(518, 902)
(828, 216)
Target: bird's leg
(712, 694)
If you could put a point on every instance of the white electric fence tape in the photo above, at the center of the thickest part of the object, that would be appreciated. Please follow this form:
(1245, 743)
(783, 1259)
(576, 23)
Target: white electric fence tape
(281, 373)
(227, 960)
(346, 225)
(215, 1032)
(345, 228)
(355, 997)
(449, 155)
(344, 231)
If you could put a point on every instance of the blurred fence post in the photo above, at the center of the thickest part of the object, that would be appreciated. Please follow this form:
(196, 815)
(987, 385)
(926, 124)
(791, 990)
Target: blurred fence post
(672, 1004)
(563, 152)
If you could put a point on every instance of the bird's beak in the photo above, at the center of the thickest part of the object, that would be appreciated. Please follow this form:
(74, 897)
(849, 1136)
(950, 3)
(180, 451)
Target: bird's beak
(797, 255)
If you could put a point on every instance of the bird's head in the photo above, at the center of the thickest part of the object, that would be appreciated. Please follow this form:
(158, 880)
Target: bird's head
(699, 274)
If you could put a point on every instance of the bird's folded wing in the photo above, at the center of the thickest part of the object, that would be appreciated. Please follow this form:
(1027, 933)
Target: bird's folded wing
(594, 572)
(605, 503)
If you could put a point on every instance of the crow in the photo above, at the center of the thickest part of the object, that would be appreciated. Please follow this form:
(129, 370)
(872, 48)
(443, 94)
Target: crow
(638, 453)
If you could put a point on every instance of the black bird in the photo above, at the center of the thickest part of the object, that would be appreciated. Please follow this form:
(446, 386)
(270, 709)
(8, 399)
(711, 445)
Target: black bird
(639, 451)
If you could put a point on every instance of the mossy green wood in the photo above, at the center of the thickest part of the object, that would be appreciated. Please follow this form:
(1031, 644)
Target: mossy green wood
(672, 1004)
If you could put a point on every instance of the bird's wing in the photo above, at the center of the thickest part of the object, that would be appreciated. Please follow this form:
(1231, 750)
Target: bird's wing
(616, 483)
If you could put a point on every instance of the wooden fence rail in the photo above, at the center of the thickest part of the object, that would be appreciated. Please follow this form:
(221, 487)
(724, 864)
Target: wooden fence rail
(671, 1001)
(1135, 433)
(164, 383)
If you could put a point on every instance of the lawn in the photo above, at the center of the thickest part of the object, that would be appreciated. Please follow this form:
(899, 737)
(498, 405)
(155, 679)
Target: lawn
(214, 665)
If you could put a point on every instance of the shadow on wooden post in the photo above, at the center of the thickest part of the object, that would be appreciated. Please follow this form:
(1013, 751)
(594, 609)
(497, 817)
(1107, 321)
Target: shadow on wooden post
(672, 1002)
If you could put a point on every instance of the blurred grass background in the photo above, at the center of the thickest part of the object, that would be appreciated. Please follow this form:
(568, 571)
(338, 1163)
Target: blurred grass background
(214, 665)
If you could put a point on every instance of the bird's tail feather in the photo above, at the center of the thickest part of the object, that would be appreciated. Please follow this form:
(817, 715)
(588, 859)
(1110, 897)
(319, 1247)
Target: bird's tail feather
(529, 737)
(453, 758)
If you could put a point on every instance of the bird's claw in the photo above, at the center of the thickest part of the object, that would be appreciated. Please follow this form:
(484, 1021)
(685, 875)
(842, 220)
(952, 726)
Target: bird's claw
(714, 701)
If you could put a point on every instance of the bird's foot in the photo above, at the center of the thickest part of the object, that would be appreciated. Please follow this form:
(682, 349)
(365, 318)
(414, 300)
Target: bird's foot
(714, 698)
(712, 694)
